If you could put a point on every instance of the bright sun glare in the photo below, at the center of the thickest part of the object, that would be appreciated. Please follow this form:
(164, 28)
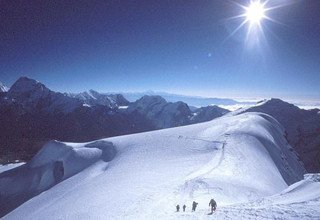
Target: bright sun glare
(255, 12)
(254, 16)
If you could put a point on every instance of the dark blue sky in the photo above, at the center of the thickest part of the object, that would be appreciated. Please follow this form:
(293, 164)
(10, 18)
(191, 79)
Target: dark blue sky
(163, 45)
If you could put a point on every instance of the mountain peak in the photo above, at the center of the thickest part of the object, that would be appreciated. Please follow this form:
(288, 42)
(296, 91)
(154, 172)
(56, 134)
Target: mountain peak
(91, 91)
(152, 98)
(25, 79)
(275, 102)
(25, 84)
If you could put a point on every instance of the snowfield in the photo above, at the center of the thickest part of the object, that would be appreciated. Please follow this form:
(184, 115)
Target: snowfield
(242, 161)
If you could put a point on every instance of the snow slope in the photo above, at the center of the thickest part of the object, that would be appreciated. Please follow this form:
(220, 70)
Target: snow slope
(299, 201)
(54, 163)
(235, 159)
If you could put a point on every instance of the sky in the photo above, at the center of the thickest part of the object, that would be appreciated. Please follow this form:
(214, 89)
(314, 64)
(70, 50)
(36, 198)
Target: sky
(184, 47)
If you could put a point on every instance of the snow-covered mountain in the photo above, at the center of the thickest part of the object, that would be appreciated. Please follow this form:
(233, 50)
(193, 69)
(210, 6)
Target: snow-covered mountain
(92, 98)
(244, 162)
(34, 96)
(3, 87)
(302, 128)
(161, 113)
(210, 112)
(190, 100)
(31, 114)
(165, 114)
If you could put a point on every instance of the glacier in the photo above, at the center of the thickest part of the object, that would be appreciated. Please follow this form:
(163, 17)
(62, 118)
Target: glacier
(242, 161)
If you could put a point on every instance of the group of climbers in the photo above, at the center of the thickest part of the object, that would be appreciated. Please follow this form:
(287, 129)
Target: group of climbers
(212, 205)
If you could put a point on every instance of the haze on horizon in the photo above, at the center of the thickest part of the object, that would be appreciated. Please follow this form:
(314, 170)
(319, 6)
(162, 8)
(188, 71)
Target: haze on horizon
(179, 47)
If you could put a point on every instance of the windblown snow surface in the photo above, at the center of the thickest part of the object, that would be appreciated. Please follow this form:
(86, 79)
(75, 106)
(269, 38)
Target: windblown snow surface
(243, 162)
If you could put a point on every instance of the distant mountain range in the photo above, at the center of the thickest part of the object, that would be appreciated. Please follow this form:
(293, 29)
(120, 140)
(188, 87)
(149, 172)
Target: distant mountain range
(190, 100)
(198, 101)
(92, 98)
(31, 114)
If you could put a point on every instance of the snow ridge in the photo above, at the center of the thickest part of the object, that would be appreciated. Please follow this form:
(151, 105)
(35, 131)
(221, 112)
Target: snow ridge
(302, 128)
(235, 159)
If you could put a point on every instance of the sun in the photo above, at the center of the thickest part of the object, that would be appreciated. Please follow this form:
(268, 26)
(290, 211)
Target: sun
(254, 16)
(255, 12)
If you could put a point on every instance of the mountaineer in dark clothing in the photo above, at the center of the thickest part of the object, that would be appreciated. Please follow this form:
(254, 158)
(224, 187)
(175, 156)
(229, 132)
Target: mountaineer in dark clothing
(178, 208)
(213, 205)
(184, 207)
(194, 206)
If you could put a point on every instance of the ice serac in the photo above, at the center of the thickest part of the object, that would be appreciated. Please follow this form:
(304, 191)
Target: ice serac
(302, 129)
(235, 159)
(54, 163)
